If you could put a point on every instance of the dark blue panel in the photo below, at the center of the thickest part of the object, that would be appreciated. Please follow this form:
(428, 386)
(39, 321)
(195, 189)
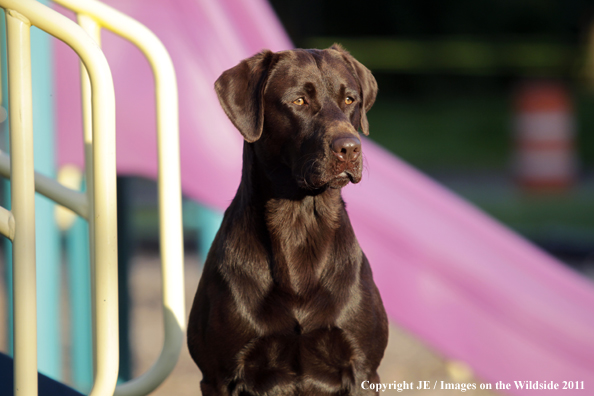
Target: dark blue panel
(47, 386)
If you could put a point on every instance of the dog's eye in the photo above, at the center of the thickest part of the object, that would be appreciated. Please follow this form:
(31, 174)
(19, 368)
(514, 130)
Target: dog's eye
(299, 102)
(349, 100)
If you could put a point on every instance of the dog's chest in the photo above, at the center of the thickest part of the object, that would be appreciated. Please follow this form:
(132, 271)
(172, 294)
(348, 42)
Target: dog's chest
(302, 235)
(311, 293)
(317, 306)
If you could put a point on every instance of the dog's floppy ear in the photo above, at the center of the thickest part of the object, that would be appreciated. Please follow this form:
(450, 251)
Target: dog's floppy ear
(241, 93)
(366, 82)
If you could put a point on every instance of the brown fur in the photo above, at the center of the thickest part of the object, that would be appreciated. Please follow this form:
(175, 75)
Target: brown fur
(287, 304)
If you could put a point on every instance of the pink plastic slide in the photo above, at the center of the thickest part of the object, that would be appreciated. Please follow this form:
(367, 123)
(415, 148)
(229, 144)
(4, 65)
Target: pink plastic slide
(460, 281)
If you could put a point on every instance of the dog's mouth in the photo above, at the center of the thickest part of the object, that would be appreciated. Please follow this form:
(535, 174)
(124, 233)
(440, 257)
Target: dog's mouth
(343, 178)
(333, 178)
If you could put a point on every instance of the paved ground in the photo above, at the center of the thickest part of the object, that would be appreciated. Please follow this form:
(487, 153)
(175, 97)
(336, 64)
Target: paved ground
(406, 359)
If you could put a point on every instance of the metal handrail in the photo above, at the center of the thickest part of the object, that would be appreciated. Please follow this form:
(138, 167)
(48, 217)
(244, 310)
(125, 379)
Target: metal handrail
(102, 215)
(92, 15)
(74, 200)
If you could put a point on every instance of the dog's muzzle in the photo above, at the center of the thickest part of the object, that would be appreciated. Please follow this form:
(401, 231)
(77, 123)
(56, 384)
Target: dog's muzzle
(346, 166)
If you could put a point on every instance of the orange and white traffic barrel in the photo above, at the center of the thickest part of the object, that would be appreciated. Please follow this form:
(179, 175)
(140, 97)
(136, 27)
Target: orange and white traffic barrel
(545, 157)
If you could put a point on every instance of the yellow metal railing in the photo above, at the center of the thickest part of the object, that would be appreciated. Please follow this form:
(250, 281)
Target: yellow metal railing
(20, 15)
(92, 16)
(98, 204)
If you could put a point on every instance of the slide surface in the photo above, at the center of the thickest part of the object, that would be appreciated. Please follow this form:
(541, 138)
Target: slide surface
(463, 283)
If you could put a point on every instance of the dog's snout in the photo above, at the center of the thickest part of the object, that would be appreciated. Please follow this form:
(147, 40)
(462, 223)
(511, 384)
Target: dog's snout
(346, 148)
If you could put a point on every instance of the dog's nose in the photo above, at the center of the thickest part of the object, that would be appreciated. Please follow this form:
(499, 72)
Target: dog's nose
(346, 148)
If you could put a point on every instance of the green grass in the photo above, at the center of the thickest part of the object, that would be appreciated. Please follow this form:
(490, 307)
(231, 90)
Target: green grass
(464, 132)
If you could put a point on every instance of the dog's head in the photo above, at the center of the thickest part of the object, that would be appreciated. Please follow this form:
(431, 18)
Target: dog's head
(302, 109)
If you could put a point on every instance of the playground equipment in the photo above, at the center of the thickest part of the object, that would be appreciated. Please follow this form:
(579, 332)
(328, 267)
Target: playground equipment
(98, 204)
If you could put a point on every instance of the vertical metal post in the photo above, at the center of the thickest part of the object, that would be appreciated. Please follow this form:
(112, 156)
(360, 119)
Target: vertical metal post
(92, 27)
(6, 244)
(94, 30)
(100, 173)
(23, 203)
(47, 236)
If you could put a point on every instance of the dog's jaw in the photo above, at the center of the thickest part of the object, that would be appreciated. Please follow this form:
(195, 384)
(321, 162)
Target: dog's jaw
(336, 175)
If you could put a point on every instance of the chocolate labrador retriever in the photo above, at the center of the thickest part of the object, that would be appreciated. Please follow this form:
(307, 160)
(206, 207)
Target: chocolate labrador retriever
(287, 304)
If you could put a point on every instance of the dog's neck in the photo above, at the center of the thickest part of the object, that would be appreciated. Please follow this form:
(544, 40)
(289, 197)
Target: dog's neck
(271, 187)
(302, 226)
